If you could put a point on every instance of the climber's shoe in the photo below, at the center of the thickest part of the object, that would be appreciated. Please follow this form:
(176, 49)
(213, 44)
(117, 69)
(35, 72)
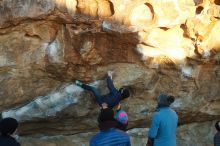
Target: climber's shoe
(78, 83)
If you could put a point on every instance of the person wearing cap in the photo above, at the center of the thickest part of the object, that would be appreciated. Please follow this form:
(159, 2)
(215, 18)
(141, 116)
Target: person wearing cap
(163, 127)
(122, 118)
(114, 96)
(109, 135)
(8, 127)
(217, 135)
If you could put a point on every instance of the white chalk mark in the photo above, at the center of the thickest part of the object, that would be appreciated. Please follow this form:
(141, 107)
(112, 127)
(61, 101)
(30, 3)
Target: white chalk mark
(46, 106)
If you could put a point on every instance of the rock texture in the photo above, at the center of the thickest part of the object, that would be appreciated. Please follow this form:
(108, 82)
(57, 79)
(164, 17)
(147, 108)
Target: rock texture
(152, 46)
(201, 135)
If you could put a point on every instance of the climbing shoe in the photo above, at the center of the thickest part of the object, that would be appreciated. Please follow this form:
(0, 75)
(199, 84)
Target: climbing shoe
(78, 83)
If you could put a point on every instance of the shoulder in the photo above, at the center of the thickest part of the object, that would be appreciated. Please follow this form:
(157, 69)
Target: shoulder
(217, 135)
(17, 144)
(95, 138)
(8, 140)
(124, 137)
(173, 112)
(157, 114)
(121, 133)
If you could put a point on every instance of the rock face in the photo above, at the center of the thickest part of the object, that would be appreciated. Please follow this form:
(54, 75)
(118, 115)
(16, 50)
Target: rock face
(152, 46)
(201, 135)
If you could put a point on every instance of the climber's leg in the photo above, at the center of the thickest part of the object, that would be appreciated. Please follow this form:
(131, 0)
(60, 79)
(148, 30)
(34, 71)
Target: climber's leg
(94, 90)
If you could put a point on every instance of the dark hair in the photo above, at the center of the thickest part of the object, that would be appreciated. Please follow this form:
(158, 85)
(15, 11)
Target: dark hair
(106, 115)
(170, 99)
(165, 100)
(8, 126)
(125, 93)
(217, 126)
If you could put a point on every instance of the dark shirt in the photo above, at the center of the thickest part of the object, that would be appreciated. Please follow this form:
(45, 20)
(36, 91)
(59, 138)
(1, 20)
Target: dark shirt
(113, 98)
(217, 139)
(8, 141)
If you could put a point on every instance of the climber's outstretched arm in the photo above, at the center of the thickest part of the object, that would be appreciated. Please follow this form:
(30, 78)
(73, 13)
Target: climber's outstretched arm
(110, 84)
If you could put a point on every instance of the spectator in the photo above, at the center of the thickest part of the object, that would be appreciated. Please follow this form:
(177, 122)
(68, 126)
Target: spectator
(109, 135)
(8, 127)
(217, 135)
(122, 118)
(164, 123)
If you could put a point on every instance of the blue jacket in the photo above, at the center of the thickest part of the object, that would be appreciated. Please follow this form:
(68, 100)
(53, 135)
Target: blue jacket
(163, 127)
(110, 137)
(113, 98)
(217, 139)
(8, 141)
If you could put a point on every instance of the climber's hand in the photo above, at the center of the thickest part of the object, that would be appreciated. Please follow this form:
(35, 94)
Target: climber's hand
(118, 107)
(110, 74)
(104, 105)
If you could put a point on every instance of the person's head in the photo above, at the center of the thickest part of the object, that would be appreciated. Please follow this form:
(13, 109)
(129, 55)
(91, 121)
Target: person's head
(122, 117)
(217, 125)
(8, 126)
(124, 93)
(164, 100)
(106, 114)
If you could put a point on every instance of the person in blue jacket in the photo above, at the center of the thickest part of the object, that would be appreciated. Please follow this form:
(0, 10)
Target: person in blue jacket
(164, 123)
(114, 96)
(8, 127)
(217, 135)
(109, 135)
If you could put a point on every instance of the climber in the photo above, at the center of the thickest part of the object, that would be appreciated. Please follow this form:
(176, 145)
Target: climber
(109, 134)
(8, 128)
(164, 123)
(114, 96)
(217, 135)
